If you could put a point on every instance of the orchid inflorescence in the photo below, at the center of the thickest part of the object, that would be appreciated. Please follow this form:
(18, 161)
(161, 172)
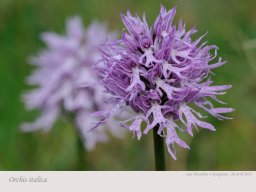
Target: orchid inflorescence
(160, 73)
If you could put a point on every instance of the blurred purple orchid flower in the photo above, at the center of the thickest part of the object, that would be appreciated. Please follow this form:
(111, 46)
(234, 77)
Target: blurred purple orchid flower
(66, 82)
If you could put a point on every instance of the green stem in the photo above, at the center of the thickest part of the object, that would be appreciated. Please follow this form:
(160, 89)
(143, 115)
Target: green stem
(81, 153)
(159, 151)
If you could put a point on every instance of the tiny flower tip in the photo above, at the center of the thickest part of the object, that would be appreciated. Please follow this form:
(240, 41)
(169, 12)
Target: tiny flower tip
(190, 132)
(174, 157)
(122, 15)
(229, 110)
(232, 109)
(185, 145)
(174, 9)
(145, 131)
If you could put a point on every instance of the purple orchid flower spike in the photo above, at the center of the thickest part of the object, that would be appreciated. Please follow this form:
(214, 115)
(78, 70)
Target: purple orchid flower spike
(67, 83)
(159, 72)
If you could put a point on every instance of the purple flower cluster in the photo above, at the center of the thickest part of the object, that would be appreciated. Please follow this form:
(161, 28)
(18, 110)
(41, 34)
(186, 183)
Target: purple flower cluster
(66, 82)
(160, 72)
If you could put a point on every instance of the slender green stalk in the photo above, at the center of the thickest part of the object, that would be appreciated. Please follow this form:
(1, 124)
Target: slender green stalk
(159, 151)
(81, 153)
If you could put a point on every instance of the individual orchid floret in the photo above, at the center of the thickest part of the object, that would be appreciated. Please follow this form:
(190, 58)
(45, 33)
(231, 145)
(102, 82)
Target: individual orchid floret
(67, 84)
(160, 72)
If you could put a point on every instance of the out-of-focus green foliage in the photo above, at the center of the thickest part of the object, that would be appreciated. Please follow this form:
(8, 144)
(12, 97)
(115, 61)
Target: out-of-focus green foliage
(231, 24)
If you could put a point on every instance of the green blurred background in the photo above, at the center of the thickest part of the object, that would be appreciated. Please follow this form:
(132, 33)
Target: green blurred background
(231, 25)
